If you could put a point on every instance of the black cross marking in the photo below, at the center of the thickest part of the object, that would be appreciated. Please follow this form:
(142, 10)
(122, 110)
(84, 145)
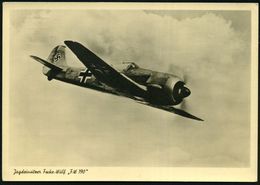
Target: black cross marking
(84, 75)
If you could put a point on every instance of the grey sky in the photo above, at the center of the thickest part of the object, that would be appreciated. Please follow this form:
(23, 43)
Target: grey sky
(61, 124)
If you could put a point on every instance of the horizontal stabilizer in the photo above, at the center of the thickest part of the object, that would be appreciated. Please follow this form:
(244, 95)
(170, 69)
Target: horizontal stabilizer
(48, 64)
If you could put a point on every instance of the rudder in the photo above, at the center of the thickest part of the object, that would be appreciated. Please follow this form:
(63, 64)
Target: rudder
(58, 56)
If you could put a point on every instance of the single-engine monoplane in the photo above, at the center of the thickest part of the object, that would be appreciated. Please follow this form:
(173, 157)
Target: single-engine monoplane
(152, 88)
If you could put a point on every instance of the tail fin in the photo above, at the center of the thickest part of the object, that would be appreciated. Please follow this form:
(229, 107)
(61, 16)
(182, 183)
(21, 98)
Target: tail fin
(55, 63)
(58, 56)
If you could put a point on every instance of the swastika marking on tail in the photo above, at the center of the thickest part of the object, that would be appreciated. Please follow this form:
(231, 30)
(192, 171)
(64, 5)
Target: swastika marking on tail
(57, 57)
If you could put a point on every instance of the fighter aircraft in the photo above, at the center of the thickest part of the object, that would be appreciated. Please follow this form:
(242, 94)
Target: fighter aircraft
(155, 89)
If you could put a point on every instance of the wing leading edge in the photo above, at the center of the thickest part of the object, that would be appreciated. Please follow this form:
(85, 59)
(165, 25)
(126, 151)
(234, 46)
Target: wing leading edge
(104, 72)
(172, 110)
(179, 112)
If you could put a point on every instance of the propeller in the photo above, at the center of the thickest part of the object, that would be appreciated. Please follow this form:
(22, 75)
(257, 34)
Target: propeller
(185, 79)
(184, 105)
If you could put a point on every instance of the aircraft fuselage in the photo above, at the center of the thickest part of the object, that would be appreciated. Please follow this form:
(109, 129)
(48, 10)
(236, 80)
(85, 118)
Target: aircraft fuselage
(84, 78)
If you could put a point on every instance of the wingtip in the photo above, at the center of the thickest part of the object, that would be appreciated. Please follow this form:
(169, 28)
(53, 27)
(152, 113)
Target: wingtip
(196, 118)
(74, 45)
(32, 56)
(68, 42)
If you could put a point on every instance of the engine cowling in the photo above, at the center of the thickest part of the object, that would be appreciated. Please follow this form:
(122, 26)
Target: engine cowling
(176, 90)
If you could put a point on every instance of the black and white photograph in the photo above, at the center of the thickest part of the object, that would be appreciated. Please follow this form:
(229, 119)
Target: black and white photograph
(130, 91)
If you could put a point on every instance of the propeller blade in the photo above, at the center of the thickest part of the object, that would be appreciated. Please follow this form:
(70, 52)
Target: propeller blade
(185, 79)
(184, 105)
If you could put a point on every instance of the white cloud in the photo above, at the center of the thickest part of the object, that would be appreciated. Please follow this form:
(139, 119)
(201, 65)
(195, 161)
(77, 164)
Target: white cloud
(208, 49)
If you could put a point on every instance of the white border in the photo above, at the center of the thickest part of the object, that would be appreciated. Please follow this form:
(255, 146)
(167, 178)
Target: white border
(138, 173)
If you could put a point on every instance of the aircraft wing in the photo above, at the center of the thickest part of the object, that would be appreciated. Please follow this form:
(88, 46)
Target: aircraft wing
(172, 110)
(104, 72)
(180, 112)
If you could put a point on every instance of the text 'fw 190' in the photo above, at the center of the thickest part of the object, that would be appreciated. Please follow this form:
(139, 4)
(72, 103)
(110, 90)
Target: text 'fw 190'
(155, 89)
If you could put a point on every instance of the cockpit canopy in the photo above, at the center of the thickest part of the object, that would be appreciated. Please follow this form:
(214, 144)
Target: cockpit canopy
(130, 65)
(126, 66)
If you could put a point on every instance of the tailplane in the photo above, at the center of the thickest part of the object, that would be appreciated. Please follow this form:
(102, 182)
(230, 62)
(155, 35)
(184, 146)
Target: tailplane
(46, 63)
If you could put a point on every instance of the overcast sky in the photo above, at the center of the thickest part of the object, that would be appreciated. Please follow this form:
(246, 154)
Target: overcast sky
(53, 123)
